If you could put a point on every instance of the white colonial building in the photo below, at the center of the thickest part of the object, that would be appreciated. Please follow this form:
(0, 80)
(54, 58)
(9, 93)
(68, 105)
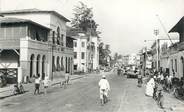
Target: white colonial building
(48, 53)
(86, 53)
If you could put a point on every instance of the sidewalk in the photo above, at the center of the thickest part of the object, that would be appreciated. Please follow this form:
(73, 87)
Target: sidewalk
(173, 104)
(8, 91)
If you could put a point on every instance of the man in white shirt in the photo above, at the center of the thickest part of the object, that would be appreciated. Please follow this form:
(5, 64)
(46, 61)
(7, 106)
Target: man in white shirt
(104, 87)
(37, 84)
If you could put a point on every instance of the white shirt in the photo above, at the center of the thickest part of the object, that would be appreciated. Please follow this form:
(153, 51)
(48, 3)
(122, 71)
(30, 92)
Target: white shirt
(37, 80)
(46, 82)
(104, 84)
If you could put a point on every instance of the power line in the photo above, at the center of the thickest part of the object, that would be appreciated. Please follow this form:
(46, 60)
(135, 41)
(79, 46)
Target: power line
(164, 28)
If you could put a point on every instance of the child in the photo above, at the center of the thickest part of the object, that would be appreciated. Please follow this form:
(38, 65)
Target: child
(46, 84)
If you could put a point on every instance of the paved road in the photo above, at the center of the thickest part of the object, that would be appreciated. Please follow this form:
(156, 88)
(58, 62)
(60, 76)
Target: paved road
(83, 96)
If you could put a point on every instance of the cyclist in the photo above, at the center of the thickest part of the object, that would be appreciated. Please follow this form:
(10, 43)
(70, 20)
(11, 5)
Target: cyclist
(104, 88)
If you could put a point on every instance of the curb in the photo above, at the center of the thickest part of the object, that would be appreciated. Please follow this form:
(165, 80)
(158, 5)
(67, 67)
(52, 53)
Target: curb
(58, 82)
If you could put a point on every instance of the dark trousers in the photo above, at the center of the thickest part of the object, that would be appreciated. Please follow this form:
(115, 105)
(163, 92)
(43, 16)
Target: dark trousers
(37, 89)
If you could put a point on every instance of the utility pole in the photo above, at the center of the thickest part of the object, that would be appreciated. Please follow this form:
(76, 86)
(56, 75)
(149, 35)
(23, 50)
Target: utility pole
(156, 32)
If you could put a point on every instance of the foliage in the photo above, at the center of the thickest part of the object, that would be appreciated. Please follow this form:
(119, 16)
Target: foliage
(116, 57)
(83, 19)
(104, 54)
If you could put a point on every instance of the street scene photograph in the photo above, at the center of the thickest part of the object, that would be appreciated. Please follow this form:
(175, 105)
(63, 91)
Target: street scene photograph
(91, 55)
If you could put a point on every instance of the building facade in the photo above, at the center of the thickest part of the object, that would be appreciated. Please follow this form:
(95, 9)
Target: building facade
(56, 52)
(86, 52)
(80, 53)
(177, 51)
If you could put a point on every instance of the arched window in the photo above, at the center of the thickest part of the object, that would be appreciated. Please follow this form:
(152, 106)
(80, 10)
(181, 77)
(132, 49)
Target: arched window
(58, 35)
(58, 65)
(53, 37)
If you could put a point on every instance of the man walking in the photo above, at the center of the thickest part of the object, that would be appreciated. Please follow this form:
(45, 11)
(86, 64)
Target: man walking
(37, 85)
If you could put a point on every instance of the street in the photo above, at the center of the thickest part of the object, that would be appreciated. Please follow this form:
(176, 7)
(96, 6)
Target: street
(82, 95)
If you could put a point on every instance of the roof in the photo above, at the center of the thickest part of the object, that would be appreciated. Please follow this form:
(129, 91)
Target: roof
(8, 20)
(34, 11)
(73, 31)
(179, 26)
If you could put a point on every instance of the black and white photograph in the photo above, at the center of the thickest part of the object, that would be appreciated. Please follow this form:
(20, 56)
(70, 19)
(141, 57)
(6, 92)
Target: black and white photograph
(91, 55)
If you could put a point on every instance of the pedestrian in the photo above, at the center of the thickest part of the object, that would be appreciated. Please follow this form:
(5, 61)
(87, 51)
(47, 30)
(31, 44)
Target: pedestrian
(37, 84)
(104, 88)
(46, 84)
(67, 77)
(66, 80)
(170, 77)
(150, 87)
(139, 77)
(160, 97)
(162, 78)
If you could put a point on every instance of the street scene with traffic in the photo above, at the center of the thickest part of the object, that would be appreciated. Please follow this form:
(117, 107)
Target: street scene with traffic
(91, 56)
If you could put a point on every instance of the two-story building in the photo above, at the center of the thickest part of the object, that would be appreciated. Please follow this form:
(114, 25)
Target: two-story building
(177, 50)
(80, 49)
(86, 54)
(58, 46)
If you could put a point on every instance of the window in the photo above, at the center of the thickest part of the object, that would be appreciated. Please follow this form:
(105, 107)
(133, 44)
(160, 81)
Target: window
(172, 64)
(176, 65)
(37, 36)
(83, 44)
(75, 67)
(82, 55)
(75, 44)
(61, 40)
(53, 37)
(75, 55)
(62, 37)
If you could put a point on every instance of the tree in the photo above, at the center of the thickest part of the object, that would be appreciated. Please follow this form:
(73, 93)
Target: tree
(83, 19)
(116, 57)
(104, 54)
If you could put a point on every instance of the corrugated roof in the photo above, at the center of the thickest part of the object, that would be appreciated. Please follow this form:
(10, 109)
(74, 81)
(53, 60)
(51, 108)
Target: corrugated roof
(34, 11)
(7, 20)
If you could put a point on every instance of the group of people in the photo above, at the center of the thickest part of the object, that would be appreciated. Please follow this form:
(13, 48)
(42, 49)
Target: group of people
(157, 81)
(38, 82)
(46, 82)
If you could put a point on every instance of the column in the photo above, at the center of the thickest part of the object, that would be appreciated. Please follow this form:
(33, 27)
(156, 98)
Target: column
(40, 68)
(34, 67)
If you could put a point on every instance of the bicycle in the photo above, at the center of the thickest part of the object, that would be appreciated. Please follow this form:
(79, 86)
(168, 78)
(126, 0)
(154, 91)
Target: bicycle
(104, 97)
(18, 89)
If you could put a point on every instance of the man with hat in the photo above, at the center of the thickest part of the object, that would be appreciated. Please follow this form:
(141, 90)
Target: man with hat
(104, 87)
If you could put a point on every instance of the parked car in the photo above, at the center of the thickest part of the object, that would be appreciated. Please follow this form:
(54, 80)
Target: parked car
(132, 74)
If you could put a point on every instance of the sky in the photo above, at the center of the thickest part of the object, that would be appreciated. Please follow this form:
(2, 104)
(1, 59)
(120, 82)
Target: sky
(125, 24)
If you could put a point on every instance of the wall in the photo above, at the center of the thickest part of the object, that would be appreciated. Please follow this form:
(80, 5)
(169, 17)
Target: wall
(79, 49)
(51, 21)
(96, 53)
